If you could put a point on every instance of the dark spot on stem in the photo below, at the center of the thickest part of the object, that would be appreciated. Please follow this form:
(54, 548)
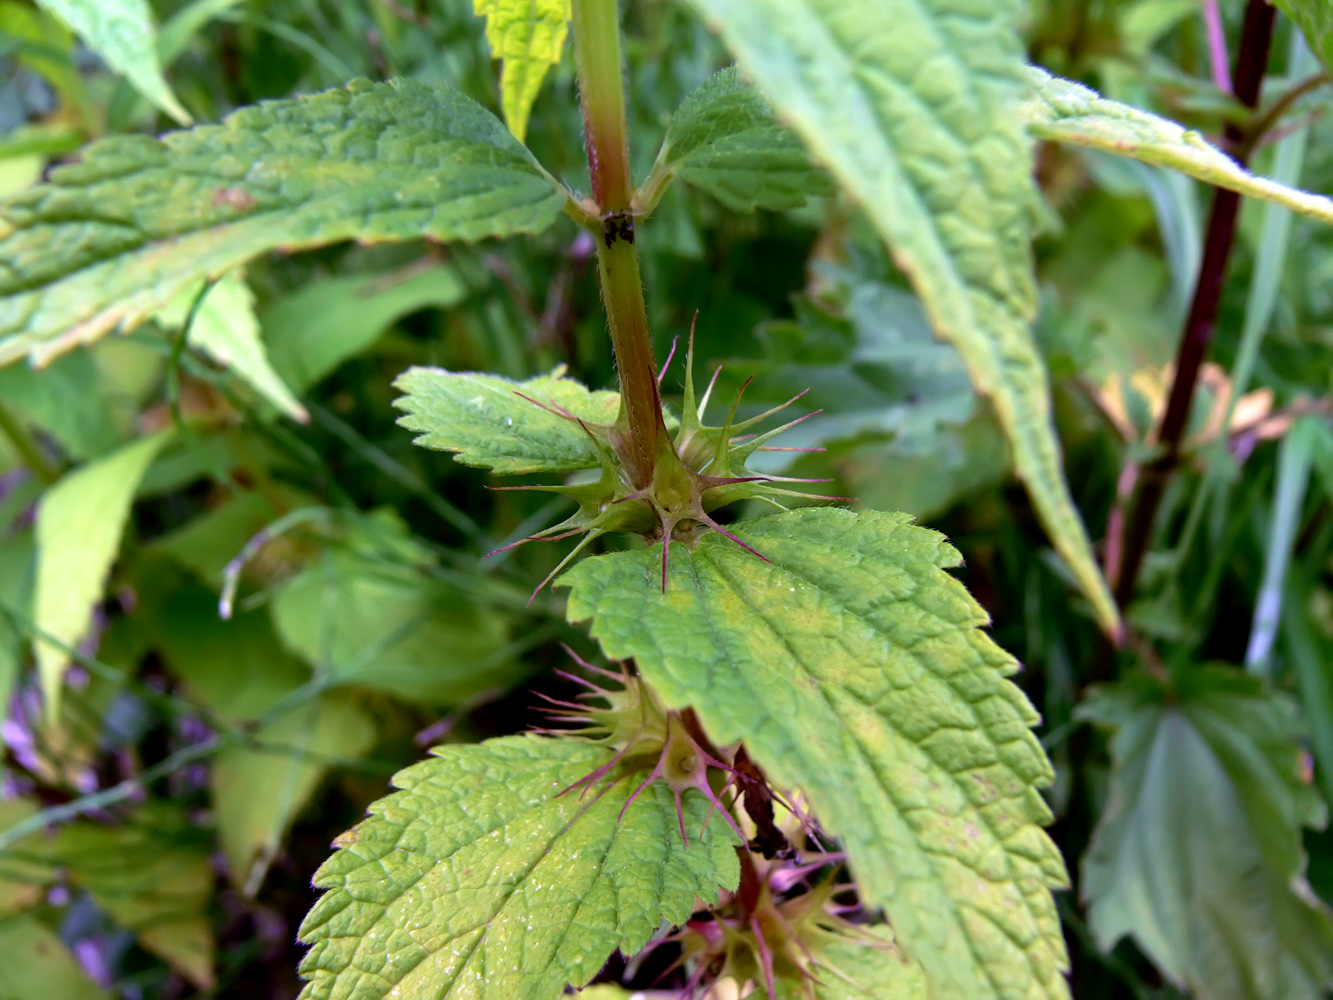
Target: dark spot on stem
(618, 226)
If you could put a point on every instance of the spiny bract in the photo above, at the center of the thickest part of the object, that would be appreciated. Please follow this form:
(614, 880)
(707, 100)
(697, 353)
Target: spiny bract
(699, 468)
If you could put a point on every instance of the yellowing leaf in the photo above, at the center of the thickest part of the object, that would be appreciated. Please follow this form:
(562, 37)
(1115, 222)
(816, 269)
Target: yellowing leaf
(113, 238)
(912, 106)
(122, 33)
(855, 669)
(528, 36)
(1063, 111)
(480, 880)
(79, 523)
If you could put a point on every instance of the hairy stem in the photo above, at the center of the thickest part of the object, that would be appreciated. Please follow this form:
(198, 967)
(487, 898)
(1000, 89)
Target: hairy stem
(597, 43)
(1200, 324)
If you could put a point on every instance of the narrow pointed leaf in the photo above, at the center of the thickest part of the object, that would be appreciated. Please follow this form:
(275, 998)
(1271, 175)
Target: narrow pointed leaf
(118, 235)
(122, 33)
(854, 668)
(528, 35)
(479, 879)
(79, 524)
(1199, 854)
(1063, 111)
(724, 139)
(485, 421)
(912, 106)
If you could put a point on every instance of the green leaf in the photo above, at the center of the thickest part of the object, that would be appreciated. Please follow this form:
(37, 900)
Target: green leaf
(1315, 18)
(1199, 854)
(1063, 111)
(1309, 651)
(854, 668)
(181, 28)
(238, 669)
(225, 328)
(485, 421)
(122, 33)
(392, 629)
(40, 967)
(481, 879)
(912, 106)
(369, 613)
(118, 235)
(207, 544)
(724, 140)
(257, 793)
(235, 667)
(529, 36)
(44, 46)
(79, 523)
(72, 400)
(323, 323)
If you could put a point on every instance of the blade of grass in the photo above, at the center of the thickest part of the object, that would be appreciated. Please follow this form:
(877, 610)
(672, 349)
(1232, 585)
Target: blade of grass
(1293, 475)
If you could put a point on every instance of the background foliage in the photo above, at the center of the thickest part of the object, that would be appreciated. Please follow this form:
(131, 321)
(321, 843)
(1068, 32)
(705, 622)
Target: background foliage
(197, 766)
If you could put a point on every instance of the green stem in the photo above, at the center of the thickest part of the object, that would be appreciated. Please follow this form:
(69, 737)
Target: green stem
(28, 451)
(597, 44)
(602, 89)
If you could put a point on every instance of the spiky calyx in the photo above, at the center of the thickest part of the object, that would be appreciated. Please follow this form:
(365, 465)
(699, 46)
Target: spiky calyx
(776, 927)
(645, 737)
(697, 470)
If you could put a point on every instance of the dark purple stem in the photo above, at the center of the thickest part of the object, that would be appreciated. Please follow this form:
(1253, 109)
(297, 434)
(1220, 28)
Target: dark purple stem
(1201, 323)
